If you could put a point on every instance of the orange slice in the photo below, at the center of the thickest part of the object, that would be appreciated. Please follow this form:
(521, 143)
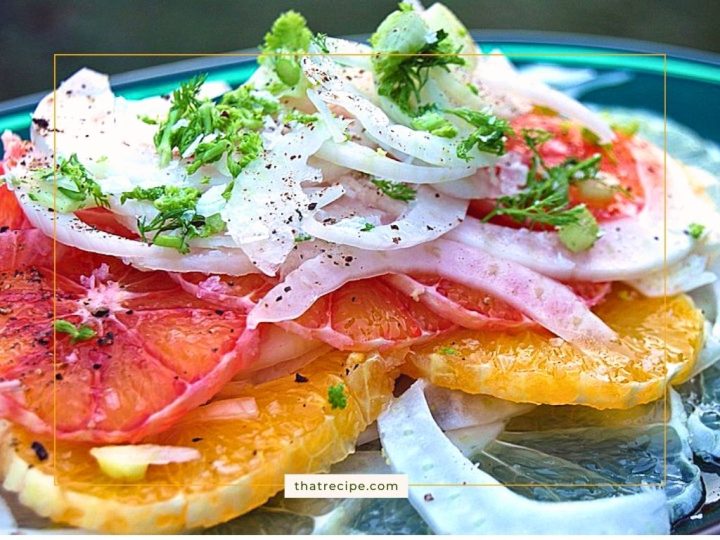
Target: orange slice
(153, 352)
(530, 365)
(243, 460)
(362, 315)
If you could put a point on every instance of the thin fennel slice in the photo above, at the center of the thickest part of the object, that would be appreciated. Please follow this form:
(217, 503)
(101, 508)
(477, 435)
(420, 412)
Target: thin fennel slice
(421, 145)
(415, 445)
(551, 304)
(361, 158)
(267, 203)
(70, 231)
(428, 216)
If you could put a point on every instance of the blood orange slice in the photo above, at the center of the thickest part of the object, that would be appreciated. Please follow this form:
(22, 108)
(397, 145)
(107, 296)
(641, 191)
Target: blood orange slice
(11, 215)
(570, 140)
(474, 309)
(151, 351)
(362, 315)
(368, 314)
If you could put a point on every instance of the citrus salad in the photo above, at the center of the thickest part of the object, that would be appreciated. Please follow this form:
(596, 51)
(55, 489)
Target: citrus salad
(207, 290)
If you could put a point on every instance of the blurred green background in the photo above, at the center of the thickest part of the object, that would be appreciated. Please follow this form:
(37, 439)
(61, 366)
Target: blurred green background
(32, 30)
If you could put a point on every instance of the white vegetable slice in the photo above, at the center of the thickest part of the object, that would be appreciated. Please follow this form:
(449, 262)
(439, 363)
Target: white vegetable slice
(70, 231)
(629, 248)
(548, 302)
(448, 308)
(361, 158)
(130, 462)
(416, 446)
(507, 177)
(506, 81)
(418, 144)
(268, 203)
(428, 216)
(453, 409)
(334, 125)
(686, 275)
(349, 53)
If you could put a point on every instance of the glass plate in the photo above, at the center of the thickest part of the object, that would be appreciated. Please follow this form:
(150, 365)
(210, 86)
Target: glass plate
(606, 72)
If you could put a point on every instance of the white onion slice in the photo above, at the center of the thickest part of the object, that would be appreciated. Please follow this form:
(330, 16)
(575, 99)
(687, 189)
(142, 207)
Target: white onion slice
(506, 81)
(428, 216)
(629, 248)
(553, 305)
(361, 158)
(416, 446)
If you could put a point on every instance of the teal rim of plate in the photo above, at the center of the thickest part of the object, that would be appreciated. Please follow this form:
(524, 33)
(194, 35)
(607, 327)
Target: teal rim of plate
(560, 54)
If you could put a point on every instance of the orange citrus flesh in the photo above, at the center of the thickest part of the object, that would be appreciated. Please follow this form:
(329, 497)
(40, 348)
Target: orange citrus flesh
(530, 365)
(243, 462)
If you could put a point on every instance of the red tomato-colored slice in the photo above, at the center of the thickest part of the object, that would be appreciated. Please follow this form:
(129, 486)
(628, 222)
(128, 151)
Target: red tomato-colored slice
(569, 140)
(156, 352)
(474, 309)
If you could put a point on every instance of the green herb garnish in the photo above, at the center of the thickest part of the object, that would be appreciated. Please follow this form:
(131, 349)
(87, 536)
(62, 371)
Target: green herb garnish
(696, 230)
(302, 237)
(320, 41)
(448, 351)
(231, 123)
(299, 117)
(81, 333)
(406, 51)
(144, 118)
(395, 190)
(367, 227)
(430, 119)
(489, 136)
(336, 396)
(289, 34)
(545, 199)
(177, 221)
(79, 185)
